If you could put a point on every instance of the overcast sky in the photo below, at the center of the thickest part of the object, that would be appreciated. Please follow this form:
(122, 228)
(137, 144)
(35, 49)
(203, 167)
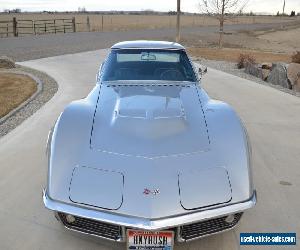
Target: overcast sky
(270, 6)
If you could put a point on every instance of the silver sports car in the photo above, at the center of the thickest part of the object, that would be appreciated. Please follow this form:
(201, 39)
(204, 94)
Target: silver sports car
(147, 157)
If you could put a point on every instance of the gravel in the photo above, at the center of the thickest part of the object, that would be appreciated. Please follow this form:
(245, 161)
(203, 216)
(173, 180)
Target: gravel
(49, 88)
(231, 68)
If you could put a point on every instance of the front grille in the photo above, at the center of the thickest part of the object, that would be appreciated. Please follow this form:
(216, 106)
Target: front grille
(199, 229)
(105, 230)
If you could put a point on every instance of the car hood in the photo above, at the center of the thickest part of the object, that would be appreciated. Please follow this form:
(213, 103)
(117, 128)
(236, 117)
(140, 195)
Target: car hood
(149, 120)
(122, 139)
(155, 191)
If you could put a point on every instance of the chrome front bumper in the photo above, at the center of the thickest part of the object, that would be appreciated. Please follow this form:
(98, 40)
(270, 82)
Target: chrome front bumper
(148, 224)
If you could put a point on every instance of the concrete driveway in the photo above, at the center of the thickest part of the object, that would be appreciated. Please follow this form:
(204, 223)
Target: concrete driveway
(271, 117)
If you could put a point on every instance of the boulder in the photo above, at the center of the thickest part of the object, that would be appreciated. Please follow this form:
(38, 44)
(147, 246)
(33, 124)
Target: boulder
(278, 75)
(266, 65)
(293, 73)
(6, 62)
(296, 86)
(253, 69)
(265, 74)
(258, 71)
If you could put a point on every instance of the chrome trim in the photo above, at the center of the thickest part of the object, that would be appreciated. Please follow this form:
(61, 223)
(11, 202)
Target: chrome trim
(48, 142)
(147, 224)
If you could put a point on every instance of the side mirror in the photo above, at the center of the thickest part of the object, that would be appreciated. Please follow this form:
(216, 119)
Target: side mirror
(202, 70)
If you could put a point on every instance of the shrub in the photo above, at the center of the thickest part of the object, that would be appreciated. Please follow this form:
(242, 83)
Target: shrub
(296, 57)
(245, 59)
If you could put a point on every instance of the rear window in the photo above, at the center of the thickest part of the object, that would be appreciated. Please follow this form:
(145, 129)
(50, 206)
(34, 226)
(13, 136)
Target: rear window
(148, 64)
(148, 56)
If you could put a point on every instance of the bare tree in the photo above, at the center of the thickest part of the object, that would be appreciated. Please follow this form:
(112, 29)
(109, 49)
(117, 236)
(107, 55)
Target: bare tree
(222, 9)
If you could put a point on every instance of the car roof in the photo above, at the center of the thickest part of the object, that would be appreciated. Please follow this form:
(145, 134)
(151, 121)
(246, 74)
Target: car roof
(145, 44)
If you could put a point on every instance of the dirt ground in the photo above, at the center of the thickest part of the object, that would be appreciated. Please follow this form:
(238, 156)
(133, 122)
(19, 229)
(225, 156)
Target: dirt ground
(14, 89)
(284, 39)
(232, 55)
(269, 45)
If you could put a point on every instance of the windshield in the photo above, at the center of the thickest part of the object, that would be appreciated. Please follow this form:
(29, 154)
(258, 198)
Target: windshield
(148, 64)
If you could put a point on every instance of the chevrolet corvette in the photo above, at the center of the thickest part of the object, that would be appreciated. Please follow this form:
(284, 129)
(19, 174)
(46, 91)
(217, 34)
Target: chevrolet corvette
(148, 158)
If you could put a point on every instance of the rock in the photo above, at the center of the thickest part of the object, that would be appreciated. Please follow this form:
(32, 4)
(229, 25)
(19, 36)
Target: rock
(258, 71)
(296, 86)
(296, 57)
(266, 65)
(265, 74)
(254, 69)
(293, 73)
(6, 63)
(278, 75)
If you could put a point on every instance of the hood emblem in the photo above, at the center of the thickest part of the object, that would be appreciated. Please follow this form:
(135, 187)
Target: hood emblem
(153, 192)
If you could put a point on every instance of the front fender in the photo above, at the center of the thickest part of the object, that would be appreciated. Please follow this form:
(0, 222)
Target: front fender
(67, 143)
(228, 138)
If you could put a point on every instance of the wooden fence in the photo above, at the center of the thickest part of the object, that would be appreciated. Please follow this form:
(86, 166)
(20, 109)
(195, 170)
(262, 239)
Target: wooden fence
(36, 27)
(8, 28)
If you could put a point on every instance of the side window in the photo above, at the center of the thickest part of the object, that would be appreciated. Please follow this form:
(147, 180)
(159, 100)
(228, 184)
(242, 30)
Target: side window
(188, 68)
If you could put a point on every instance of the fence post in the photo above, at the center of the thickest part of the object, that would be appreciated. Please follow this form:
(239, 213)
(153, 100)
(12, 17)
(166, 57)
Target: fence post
(102, 23)
(88, 23)
(15, 27)
(32, 23)
(36, 29)
(7, 30)
(74, 24)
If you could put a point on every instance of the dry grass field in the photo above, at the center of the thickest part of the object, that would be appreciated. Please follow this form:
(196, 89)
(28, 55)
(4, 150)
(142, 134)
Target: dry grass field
(14, 89)
(275, 44)
(232, 55)
(135, 22)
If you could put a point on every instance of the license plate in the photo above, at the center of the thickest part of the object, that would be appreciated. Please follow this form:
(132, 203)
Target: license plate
(140, 240)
